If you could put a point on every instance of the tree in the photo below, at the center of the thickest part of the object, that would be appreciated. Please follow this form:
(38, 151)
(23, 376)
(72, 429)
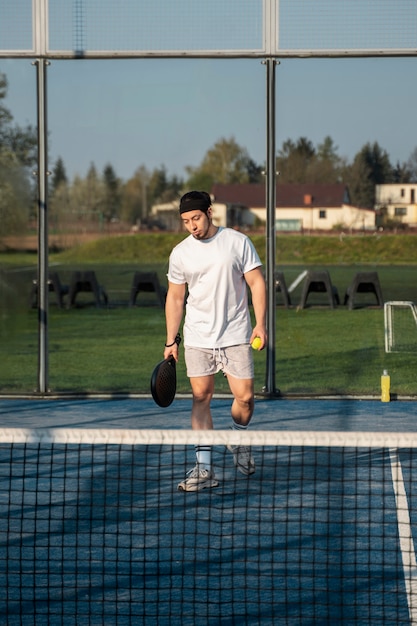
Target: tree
(327, 165)
(401, 173)
(255, 172)
(111, 206)
(131, 199)
(294, 159)
(162, 188)
(59, 207)
(327, 151)
(144, 190)
(157, 185)
(17, 154)
(5, 115)
(15, 194)
(87, 197)
(412, 166)
(173, 191)
(23, 143)
(370, 167)
(301, 162)
(59, 175)
(225, 163)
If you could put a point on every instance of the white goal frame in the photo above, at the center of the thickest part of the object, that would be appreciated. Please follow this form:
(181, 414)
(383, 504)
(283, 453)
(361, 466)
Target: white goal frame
(388, 320)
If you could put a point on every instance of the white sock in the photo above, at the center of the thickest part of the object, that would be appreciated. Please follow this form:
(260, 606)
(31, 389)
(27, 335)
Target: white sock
(238, 426)
(203, 454)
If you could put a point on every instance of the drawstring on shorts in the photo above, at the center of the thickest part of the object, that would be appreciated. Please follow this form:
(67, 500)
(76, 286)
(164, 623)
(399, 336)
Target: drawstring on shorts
(220, 358)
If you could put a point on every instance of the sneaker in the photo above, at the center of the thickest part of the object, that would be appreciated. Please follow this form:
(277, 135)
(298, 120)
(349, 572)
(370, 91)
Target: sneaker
(243, 459)
(198, 479)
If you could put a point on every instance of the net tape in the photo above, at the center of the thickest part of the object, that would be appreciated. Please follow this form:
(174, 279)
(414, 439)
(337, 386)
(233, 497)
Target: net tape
(356, 439)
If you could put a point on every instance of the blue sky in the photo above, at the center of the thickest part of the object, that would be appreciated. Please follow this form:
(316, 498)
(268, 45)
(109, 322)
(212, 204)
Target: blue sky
(169, 112)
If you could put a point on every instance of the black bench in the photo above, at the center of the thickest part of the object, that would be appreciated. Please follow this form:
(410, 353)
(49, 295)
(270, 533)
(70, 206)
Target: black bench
(319, 282)
(364, 282)
(54, 285)
(87, 282)
(281, 287)
(148, 282)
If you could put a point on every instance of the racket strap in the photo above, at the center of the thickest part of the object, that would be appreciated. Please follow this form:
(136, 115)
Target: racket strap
(177, 341)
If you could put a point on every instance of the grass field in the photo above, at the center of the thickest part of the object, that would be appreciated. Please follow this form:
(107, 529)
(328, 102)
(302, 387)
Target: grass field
(113, 349)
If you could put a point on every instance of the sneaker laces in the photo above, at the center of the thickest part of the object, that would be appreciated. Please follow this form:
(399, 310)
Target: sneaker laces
(244, 453)
(197, 472)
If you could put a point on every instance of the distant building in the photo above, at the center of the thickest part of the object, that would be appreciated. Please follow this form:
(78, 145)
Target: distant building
(231, 214)
(167, 214)
(397, 203)
(300, 207)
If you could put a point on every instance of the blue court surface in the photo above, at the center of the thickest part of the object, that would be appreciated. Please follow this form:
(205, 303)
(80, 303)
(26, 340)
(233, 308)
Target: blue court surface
(333, 414)
(99, 534)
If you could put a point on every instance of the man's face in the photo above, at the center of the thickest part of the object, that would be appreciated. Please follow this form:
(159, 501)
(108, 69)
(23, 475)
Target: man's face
(197, 223)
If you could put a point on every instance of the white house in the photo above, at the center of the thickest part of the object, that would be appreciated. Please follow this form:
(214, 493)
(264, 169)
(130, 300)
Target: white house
(397, 202)
(301, 207)
(231, 214)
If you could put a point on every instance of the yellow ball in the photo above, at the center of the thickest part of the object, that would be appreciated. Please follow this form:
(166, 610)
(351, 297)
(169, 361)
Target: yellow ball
(256, 343)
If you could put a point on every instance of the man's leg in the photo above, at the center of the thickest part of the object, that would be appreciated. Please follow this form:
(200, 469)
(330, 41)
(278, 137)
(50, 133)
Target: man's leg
(242, 411)
(243, 403)
(203, 389)
(202, 476)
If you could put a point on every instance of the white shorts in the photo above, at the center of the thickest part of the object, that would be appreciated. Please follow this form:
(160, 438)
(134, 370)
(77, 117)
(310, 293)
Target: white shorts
(236, 361)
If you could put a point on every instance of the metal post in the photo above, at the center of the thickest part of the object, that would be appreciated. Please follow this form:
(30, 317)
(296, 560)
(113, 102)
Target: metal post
(43, 296)
(269, 388)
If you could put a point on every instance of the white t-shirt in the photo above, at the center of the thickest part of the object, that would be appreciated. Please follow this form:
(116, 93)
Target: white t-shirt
(217, 313)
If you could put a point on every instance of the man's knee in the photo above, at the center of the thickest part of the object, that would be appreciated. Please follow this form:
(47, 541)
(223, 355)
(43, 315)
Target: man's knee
(243, 393)
(202, 396)
(242, 408)
(202, 390)
(246, 402)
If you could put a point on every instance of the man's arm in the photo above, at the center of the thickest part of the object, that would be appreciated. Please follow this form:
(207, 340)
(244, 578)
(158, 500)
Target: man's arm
(256, 282)
(174, 309)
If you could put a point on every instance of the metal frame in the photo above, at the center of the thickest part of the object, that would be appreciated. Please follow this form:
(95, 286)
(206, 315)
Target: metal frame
(42, 173)
(271, 47)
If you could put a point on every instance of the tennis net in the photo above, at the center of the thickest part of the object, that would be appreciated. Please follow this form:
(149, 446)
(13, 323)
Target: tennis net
(93, 529)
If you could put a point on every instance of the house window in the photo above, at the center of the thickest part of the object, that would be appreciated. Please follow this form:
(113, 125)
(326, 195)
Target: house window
(402, 193)
(400, 210)
(322, 214)
(412, 196)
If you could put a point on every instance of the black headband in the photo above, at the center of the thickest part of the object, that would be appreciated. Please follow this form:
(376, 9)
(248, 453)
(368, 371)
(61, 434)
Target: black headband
(194, 204)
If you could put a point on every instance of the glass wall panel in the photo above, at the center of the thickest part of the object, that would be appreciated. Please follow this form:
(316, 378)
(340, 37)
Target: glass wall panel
(125, 136)
(18, 238)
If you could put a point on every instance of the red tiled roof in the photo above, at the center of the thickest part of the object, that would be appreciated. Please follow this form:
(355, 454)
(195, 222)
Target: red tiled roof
(288, 195)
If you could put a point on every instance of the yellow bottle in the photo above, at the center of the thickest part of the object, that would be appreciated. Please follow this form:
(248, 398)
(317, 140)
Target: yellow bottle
(385, 387)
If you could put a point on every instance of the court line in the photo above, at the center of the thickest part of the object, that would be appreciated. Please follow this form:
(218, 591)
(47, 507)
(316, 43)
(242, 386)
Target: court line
(405, 535)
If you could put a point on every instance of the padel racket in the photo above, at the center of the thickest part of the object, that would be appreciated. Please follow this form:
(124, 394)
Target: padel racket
(164, 382)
